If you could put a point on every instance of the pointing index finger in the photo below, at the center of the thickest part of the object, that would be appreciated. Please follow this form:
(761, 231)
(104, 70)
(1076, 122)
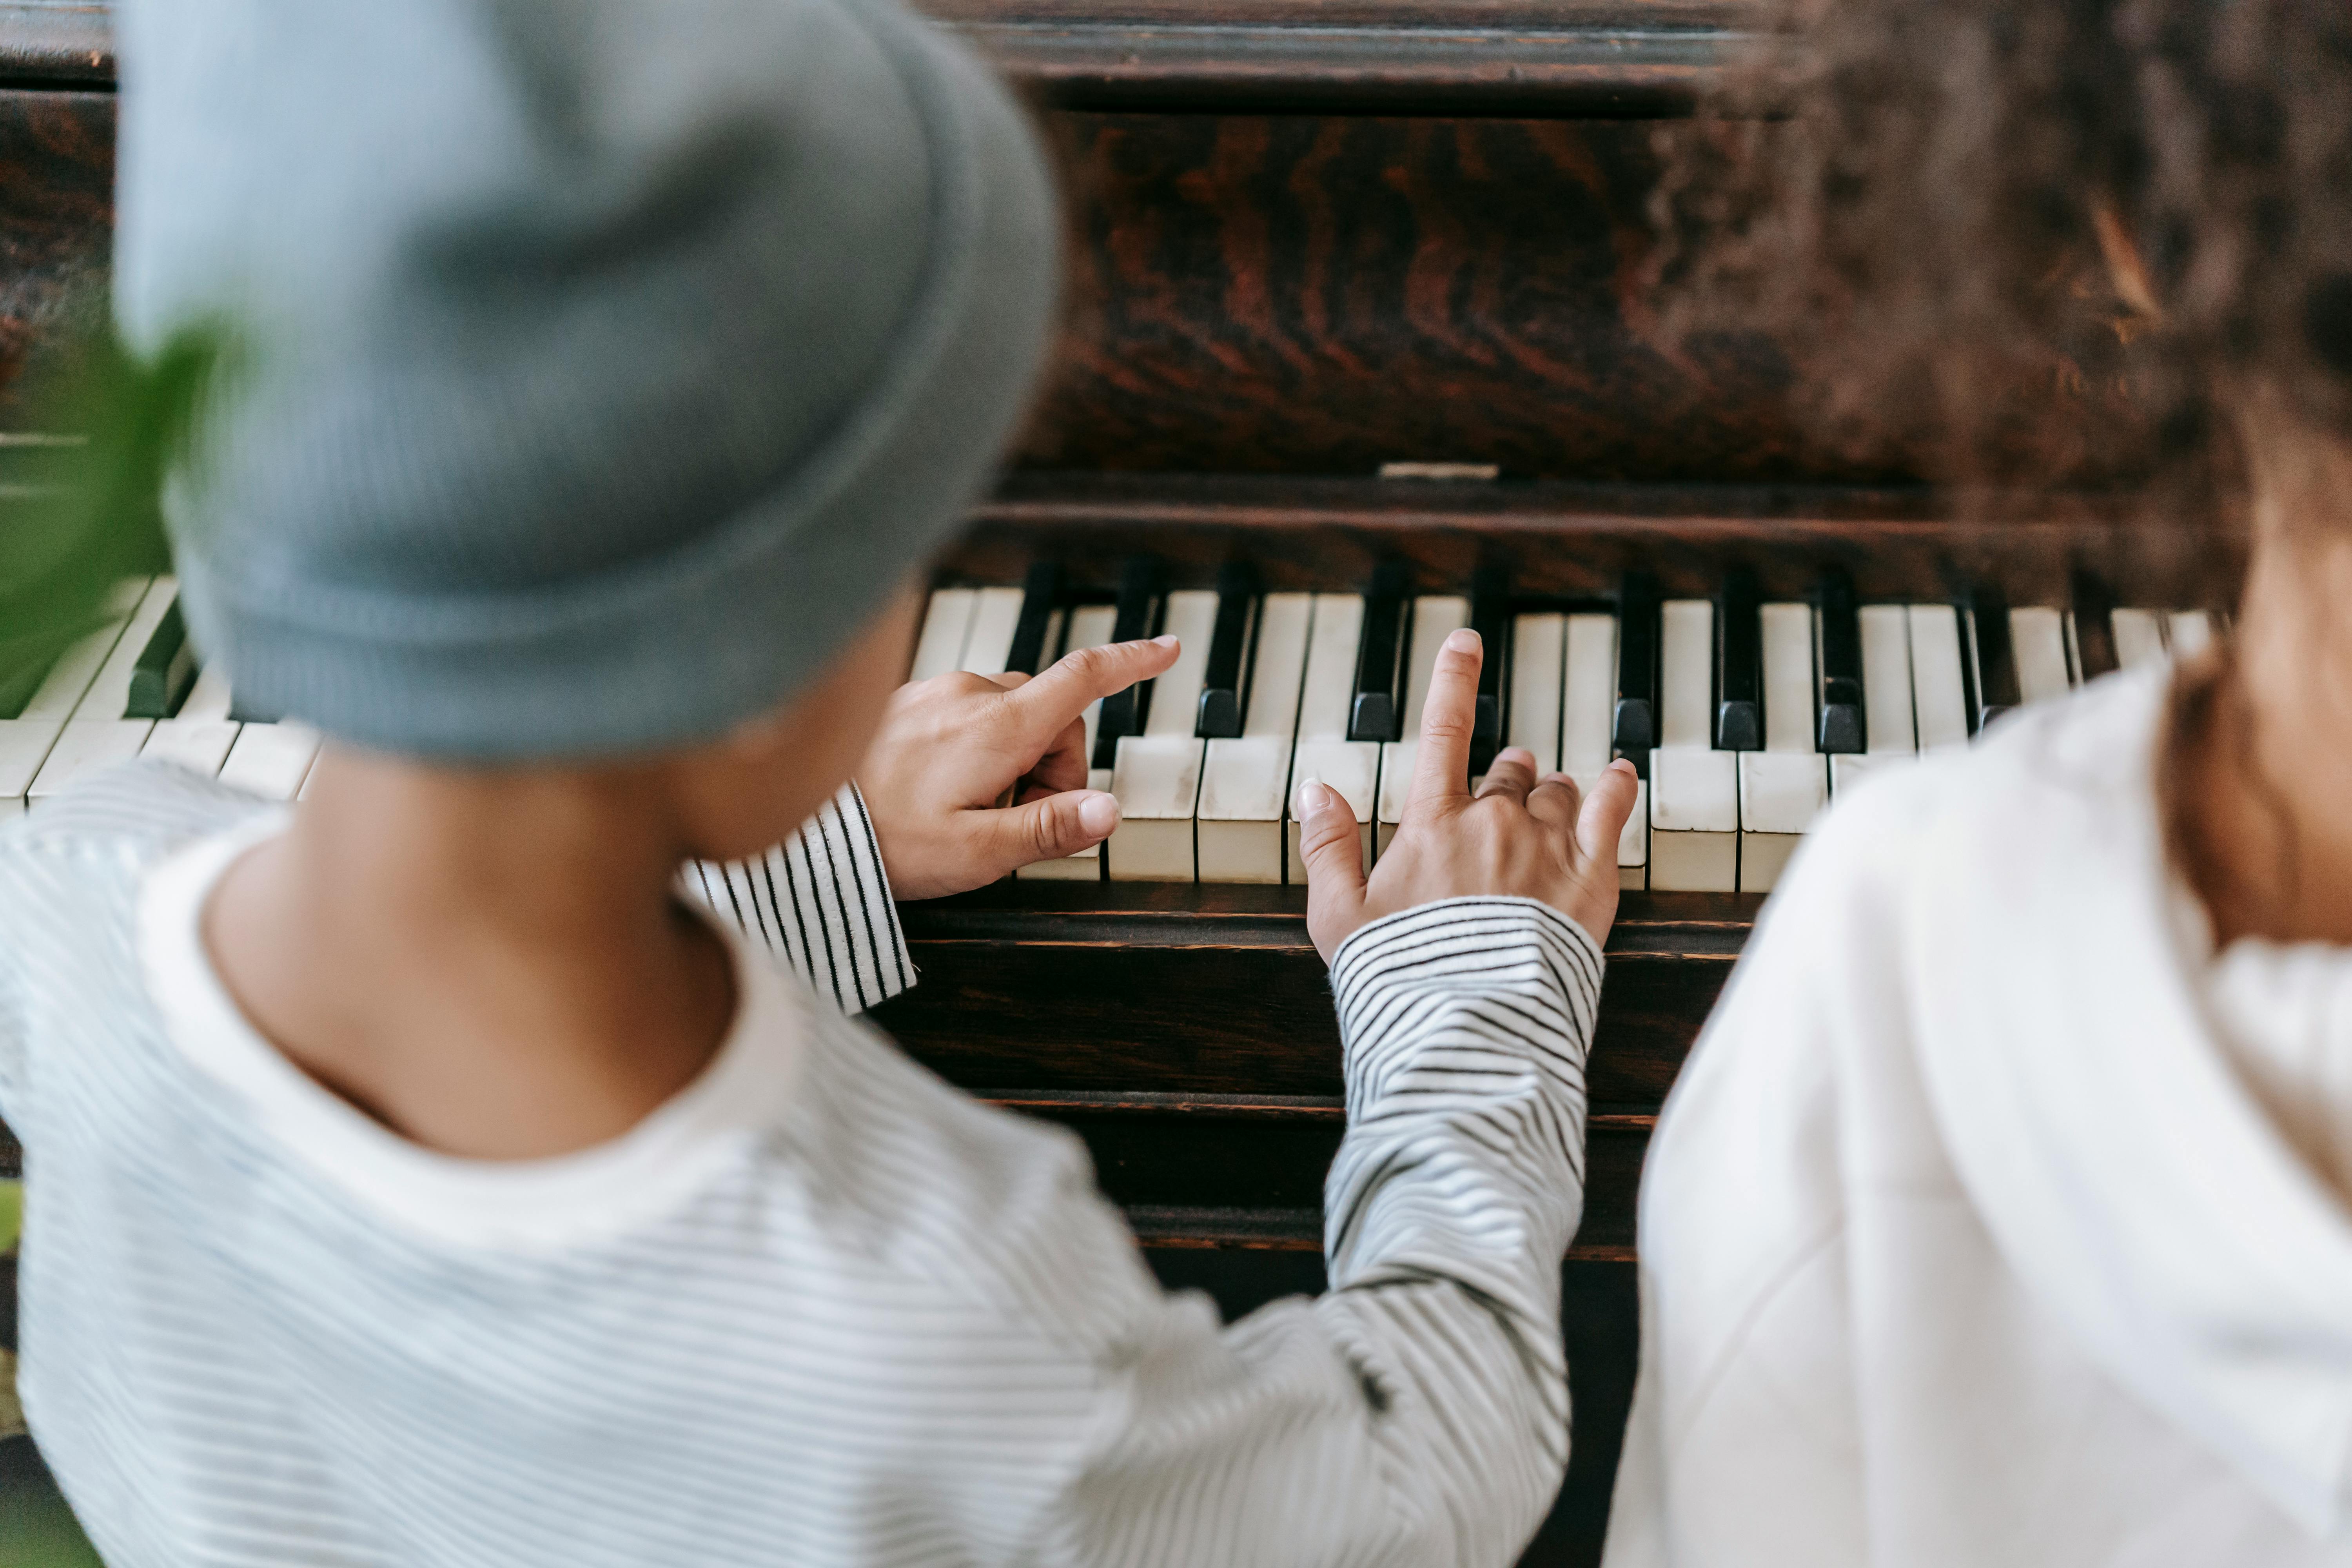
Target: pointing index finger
(1059, 693)
(1441, 771)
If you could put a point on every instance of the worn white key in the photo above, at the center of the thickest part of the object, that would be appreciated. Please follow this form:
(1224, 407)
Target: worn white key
(199, 735)
(1539, 664)
(271, 759)
(2139, 637)
(1091, 625)
(1939, 702)
(1693, 788)
(1435, 618)
(97, 735)
(1783, 786)
(27, 740)
(1324, 750)
(2191, 632)
(946, 622)
(1886, 696)
(995, 616)
(2037, 640)
(1239, 828)
(1157, 774)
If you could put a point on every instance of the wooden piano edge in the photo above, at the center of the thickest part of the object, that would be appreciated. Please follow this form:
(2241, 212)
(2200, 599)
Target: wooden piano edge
(1474, 56)
(1574, 539)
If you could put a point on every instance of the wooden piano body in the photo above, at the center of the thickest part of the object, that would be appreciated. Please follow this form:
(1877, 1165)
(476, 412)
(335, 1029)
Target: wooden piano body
(1310, 237)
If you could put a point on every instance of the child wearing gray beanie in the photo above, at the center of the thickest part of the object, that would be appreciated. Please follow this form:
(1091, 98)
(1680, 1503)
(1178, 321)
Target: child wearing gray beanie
(416, 1177)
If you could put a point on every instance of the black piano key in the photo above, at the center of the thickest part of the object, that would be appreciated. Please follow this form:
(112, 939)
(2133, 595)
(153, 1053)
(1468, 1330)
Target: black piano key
(1839, 700)
(1987, 662)
(1739, 664)
(1123, 713)
(1225, 687)
(1635, 728)
(166, 668)
(1041, 596)
(2095, 626)
(1490, 617)
(1378, 706)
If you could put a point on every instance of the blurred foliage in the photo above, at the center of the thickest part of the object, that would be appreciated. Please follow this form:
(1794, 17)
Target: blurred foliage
(80, 495)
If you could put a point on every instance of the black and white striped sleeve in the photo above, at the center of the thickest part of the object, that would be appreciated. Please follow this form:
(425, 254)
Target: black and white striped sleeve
(1418, 1412)
(819, 903)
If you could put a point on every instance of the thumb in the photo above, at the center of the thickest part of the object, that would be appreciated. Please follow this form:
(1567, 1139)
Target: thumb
(1047, 829)
(1331, 845)
(1605, 811)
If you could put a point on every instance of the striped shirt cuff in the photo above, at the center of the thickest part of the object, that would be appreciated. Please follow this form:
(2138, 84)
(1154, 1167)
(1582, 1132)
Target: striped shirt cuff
(1491, 945)
(819, 903)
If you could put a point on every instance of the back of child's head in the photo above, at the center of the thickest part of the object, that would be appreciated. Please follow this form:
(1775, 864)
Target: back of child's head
(2036, 241)
(594, 368)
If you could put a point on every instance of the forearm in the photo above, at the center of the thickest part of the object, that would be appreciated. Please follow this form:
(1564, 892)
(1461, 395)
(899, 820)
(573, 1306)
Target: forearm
(819, 904)
(1418, 1413)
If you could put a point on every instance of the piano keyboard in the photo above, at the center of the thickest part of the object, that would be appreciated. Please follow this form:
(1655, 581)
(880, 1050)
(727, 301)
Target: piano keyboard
(132, 688)
(1745, 716)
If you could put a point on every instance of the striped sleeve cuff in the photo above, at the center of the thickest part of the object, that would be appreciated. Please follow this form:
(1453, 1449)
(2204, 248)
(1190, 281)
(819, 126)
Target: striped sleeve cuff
(1385, 975)
(819, 903)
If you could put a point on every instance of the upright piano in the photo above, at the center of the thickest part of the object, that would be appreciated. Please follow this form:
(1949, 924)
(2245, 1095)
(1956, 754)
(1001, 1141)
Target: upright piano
(1359, 349)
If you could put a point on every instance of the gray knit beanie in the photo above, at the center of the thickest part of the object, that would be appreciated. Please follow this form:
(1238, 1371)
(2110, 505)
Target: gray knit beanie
(603, 363)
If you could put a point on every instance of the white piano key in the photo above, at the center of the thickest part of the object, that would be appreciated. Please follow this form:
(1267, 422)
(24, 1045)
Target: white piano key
(2191, 632)
(1091, 625)
(2037, 640)
(939, 648)
(1939, 702)
(1783, 786)
(2139, 637)
(199, 735)
(271, 759)
(27, 740)
(97, 735)
(1633, 843)
(1239, 827)
(1324, 750)
(1435, 618)
(1157, 774)
(1693, 788)
(1885, 696)
(995, 616)
(1539, 663)
(1590, 697)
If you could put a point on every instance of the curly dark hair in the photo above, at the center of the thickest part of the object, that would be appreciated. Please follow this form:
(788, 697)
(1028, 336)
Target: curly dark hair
(1932, 194)
(2048, 242)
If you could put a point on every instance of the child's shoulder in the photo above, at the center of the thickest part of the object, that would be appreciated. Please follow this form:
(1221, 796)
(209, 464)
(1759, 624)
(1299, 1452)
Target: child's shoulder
(998, 1209)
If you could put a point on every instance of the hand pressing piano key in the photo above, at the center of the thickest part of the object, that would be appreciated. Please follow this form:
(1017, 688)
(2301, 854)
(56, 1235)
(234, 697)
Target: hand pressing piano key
(1089, 625)
(1517, 835)
(1591, 694)
(950, 750)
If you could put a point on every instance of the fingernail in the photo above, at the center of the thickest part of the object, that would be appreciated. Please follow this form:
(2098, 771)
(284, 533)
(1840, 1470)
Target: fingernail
(1306, 802)
(1098, 815)
(1463, 641)
(1168, 639)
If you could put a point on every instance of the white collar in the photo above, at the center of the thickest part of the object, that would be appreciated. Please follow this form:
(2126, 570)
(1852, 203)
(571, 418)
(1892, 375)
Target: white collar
(533, 1204)
(2128, 1177)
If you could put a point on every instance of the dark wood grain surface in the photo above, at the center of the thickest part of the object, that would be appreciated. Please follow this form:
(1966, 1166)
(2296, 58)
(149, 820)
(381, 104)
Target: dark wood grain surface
(57, 214)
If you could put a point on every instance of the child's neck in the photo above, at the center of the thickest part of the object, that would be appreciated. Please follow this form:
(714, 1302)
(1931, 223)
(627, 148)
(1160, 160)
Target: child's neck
(491, 964)
(2268, 786)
